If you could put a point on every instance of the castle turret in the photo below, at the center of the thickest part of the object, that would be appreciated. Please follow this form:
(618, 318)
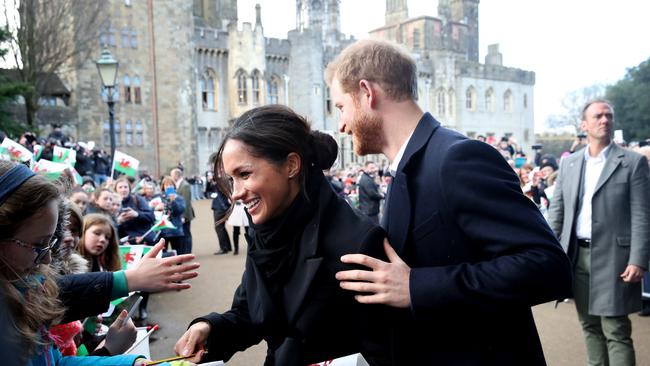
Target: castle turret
(464, 12)
(396, 11)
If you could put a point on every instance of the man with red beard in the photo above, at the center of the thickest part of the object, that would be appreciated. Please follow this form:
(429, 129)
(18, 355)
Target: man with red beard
(468, 254)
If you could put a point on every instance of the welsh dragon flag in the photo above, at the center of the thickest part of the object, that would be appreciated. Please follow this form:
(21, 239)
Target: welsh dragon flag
(163, 223)
(63, 155)
(125, 164)
(49, 169)
(38, 150)
(15, 151)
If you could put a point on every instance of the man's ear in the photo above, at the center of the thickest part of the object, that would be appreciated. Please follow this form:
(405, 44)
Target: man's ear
(293, 165)
(368, 92)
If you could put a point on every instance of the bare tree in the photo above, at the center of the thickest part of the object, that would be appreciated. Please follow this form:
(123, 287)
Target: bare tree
(575, 100)
(46, 35)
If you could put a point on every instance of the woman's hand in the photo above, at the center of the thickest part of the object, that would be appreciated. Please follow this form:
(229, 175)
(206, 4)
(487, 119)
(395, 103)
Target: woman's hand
(193, 341)
(121, 334)
(153, 274)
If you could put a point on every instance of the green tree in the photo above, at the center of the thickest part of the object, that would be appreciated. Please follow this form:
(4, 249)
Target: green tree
(47, 36)
(631, 99)
(9, 91)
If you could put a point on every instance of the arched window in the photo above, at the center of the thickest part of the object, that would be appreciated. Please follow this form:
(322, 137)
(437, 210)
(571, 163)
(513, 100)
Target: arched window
(272, 92)
(139, 141)
(451, 97)
(137, 93)
(507, 101)
(127, 89)
(125, 37)
(134, 39)
(441, 105)
(242, 88)
(489, 100)
(129, 133)
(470, 98)
(328, 101)
(208, 95)
(255, 80)
(111, 36)
(107, 133)
(416, 39)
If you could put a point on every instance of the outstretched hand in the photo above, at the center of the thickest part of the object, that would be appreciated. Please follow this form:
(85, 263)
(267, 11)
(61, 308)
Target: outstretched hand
(153, 274)
(121, 334)
(387, 282)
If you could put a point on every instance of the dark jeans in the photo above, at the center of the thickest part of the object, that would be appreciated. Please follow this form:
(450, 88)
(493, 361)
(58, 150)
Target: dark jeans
(222, 234)
(187, 239)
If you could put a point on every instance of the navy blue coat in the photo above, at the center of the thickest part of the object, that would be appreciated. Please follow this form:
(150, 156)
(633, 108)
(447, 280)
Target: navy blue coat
(480, 251)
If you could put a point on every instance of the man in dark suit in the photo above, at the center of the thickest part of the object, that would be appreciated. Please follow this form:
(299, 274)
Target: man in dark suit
(468, 253)
(369, 196)
(184, 190)
(220, 206)
(601, 211)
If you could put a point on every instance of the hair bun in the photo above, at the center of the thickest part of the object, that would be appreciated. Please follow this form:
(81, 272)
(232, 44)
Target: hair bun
(324, 150)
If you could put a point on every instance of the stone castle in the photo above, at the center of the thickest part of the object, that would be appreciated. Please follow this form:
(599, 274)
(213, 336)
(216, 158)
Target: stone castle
(187, 69)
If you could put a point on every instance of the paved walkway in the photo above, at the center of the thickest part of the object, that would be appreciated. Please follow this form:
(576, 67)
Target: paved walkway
(219, 276)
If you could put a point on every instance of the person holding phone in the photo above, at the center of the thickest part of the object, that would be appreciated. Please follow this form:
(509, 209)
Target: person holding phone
(174, 208)
(135, 217)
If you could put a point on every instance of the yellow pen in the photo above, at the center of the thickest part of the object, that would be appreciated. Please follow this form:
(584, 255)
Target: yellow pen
(170, 359)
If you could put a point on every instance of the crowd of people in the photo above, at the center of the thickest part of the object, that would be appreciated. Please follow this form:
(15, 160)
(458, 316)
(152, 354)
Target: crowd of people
(470, 235)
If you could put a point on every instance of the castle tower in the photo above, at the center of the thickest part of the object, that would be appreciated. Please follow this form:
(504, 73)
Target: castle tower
(396, 11)
(321, 16)
(464, 12)
(216, 14)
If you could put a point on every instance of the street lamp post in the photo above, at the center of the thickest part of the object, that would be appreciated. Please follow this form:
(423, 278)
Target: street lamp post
(107, 67)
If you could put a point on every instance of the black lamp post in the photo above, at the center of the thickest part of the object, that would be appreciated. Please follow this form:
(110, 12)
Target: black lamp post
(107, 67)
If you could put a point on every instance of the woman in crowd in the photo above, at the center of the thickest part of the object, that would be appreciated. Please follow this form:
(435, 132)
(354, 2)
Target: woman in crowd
(80, 198)
(135, 216)
(300, 228)
(101, 202)
(29, 209)
(173, 207)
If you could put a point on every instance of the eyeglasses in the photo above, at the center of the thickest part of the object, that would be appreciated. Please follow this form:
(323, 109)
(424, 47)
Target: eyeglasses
(40, 252)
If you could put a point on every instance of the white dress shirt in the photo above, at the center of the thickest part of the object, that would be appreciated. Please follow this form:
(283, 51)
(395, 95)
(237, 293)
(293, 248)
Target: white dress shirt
(395, 163)
(593, 169)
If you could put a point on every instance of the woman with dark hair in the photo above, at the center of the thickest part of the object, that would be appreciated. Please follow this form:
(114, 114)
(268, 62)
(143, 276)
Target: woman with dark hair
(299, 229)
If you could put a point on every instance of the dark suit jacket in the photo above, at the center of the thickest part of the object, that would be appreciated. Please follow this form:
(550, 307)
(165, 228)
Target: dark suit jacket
(185, 191)
(323, 320)
(480, 251)
(369, 196)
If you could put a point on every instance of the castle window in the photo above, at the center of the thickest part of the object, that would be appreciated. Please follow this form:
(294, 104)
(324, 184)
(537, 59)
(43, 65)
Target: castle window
(507, 101)
(106, 135)
(255, 80)
(242, 89)
(136, 90)
(118, 133)
(127, 89)
(134, 39)
(125, 37)
(139, 141)
(452, 102)
(208, 99)
(328, 101)
(416, 39)
(525, 100)
(489, 100)
(441, 107)
(272, 94)
(111, 36)
(470, 98)
(129, 133)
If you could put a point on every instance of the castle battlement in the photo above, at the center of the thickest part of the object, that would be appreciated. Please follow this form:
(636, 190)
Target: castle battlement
(495, 72)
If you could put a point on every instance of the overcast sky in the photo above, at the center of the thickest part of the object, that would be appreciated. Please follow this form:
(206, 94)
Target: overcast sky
(569, 44)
